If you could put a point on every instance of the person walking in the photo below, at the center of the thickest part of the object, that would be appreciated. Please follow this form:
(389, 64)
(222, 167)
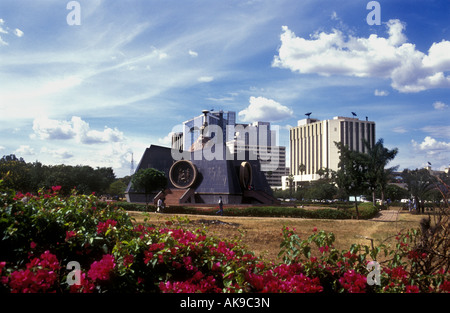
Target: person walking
(160, 205)
(220, 206)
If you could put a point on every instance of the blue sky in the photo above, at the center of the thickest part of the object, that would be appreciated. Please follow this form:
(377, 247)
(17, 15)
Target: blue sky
(133, 70)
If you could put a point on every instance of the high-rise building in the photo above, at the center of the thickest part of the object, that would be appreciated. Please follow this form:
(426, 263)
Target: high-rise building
(312, 145)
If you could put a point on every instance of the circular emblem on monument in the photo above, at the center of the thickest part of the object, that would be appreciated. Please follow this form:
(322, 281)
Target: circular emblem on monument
(183, 174)
(245, 175)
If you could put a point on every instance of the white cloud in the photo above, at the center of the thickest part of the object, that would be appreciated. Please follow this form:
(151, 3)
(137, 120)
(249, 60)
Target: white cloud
(46, 128)
(399, 130)
(76, 128)
(61, 153)
(337, 54)
(334, 16)
(166, 141)
(439, 105)
(2, 30)
(437, 131)
(2, 42)
(24, 150)
(193, 53)
(18, 32)
(5, 30)
(433, 151)
(381, 93)
(264, 110)
(432, 147)
(206, 79)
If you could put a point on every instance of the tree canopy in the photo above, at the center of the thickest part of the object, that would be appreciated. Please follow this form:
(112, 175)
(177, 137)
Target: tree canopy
(29, 177)
(148, 180)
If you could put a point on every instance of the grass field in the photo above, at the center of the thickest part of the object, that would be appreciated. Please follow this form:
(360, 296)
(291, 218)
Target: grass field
(263, 235)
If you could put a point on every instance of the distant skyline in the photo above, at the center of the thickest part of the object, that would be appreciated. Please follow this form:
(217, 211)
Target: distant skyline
(94, 93)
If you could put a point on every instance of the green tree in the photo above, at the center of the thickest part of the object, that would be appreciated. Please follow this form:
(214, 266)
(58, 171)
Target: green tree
(377, 175)
(420, 184)
(396, 193)
(117, 188)
(352, 173)
(148, 180)
(15, 173)
(321, 190)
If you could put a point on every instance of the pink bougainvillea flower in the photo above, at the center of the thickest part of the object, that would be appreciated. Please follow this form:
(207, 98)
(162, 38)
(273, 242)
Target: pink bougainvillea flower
(353, 282)
(56, 188)
(102, 227)
(40, 275)
(101, 269)
(412, 289)
(70, 234)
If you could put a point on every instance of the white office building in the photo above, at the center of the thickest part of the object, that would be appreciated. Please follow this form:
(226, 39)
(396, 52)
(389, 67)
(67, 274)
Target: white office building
(312, 145)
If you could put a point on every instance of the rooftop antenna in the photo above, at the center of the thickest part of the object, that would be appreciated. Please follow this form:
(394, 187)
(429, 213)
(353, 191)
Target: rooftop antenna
(205, 118)
(132, 165)
(354, 114)
(308, 114)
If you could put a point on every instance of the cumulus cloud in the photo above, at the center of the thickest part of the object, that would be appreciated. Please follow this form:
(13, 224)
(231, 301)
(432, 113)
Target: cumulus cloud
(439, 150)
(76, 128)
(46, 128)
(392, 58)
(263, 109)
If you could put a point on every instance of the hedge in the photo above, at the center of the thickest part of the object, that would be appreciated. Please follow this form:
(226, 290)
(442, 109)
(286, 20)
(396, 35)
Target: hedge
(365, 211)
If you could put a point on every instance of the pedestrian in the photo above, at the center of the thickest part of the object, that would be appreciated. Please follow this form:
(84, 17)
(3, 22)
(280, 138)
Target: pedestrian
(160, 205)
(220, 206)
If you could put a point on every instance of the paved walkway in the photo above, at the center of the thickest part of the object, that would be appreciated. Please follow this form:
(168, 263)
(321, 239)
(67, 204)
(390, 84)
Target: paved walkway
(386, 216)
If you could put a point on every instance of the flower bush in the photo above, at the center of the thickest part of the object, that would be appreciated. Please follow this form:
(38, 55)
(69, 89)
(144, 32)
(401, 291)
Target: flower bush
(43, 232)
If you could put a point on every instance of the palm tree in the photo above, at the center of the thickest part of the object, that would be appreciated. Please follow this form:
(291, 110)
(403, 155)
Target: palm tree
(377, 175)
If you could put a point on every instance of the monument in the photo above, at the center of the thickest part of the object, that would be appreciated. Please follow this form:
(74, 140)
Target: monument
(196, 178)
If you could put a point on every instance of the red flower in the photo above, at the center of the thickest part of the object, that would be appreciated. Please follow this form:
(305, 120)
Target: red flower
(412, 289)
(70, 234)
(101, 269)
(56, 188)
(102, 227)
(445, 286)
(128, 259)
(148, 256)
(40, 275)
(353, 282)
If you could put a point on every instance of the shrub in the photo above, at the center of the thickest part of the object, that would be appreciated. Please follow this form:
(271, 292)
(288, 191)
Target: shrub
(42, 233)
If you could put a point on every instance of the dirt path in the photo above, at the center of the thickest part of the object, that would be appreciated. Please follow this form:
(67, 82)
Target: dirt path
(386, 216)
